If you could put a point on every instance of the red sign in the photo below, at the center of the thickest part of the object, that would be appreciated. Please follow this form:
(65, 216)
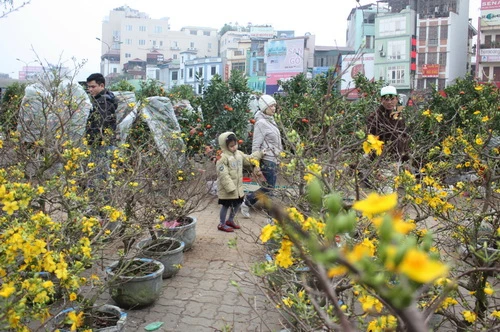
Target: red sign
(430, 70)
(490, 4)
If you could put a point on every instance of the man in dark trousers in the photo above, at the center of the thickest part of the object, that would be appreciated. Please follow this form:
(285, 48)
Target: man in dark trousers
(101, 128)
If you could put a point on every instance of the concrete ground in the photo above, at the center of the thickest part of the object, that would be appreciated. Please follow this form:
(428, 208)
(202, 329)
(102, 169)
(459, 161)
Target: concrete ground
(203, 295)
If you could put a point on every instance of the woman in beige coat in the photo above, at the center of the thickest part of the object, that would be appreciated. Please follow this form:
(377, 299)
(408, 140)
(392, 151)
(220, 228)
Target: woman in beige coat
(230, 179)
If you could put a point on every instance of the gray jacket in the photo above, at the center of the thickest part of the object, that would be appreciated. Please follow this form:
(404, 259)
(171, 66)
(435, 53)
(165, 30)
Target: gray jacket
(266, 135)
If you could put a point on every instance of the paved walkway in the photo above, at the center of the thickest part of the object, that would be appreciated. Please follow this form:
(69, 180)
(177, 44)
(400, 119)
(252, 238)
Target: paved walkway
(201, 296)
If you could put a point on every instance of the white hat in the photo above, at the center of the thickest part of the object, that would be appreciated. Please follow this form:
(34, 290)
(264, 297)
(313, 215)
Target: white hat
(388, 90)
(265, 101)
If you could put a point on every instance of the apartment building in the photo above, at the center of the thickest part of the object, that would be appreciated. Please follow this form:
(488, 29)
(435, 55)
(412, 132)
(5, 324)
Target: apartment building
(488, 50)
(135, 44)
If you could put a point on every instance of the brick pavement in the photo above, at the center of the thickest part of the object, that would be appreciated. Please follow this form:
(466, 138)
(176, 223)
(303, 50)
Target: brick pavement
(200, 297)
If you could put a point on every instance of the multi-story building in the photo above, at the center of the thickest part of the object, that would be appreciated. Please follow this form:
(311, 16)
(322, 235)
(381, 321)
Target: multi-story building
(418, 44)
(442, 42)
(234, 46)
(360, 33)
(132, 42)
(488, 50)
(393, 48)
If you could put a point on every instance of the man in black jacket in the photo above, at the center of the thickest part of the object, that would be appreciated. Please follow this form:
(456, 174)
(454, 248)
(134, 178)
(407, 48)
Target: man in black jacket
(101, 129)
(101, 124)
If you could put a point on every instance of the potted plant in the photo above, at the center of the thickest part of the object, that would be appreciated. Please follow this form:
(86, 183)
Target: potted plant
(135, 283)
(169, 251)
(103, 318)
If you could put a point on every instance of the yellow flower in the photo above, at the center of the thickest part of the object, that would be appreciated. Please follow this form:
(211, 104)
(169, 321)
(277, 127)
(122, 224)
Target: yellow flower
(284, 256)
(376, 204)
(7, 289)
(477, 112)
(337, 271)
(495, 314)
(372, 143)
(488, 290)
(10, 207)
(478, 87)
(267, 232)
(469, 316)
(479, 141)
(438, 117)
(419, 267)
(40, 190)
(370, 304)
(288, 302)
(76, 320)
(427, 112)
(72, 296)
(485, 118)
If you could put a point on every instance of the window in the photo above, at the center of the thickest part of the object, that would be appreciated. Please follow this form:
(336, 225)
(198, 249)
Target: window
(421, 59)
(209, 45)
(442, 58)
(239, 66)
(154, 42)
(200, 71)
(486, 73)
(182, 74)
(142, 42)
(200, 89)
(420, 84)
(142, 28)
(444, 32)
(191, 44)
(433, 36)
(422, 33)
(175, 75)
(128, 41)
(370, 41)
(206, 33)
(396, 74)
(487, 41)
(432, 58)
(496, 73)
(115, 70)
(174, 56)
(190, 75)
(158, 29)
(441, 83)
(161, 43)
(193, 32)
(128, 55)
(392, 26)
(396, 50)
(128, 27)
(213, 70)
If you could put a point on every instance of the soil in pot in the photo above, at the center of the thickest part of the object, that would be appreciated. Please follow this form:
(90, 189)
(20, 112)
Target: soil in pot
(106, 318)
(167, 250)
(135, 284)
(183, 229)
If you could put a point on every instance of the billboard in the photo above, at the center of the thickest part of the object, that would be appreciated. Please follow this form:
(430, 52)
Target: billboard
(430, 70)
(261, 32)
(490, 17)
(352, 64)
(284, 59)
(489, 4)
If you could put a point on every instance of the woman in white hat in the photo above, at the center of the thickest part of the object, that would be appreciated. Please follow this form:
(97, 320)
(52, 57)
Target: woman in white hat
(266, 137)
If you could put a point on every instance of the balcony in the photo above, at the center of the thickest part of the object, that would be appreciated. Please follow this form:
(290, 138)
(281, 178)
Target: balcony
(175, 48)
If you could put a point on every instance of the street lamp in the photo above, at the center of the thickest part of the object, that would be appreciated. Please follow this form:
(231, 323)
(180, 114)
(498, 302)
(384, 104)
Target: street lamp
(26, 69)
(109, 51)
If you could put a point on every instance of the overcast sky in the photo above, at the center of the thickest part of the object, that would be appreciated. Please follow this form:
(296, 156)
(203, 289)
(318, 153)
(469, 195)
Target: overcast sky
(60, 30)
